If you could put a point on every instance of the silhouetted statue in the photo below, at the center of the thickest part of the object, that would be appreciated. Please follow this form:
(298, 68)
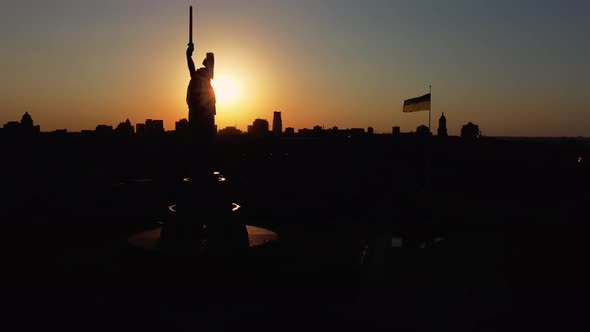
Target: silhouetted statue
(200, 98)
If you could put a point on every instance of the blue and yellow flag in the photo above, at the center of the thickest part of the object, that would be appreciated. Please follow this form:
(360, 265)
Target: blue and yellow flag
(417, 104)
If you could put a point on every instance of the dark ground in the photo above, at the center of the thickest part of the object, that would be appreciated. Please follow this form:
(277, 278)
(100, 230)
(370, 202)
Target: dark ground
(503, 225)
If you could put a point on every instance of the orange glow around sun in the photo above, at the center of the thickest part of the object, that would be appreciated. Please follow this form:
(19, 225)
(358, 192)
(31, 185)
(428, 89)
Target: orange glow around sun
(227, 90)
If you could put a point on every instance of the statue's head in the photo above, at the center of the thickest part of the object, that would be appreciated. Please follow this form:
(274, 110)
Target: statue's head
(209, 63)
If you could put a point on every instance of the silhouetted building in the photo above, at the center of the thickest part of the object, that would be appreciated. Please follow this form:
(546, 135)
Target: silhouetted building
(396, 131)
(306, 132)
(10, 129)
(27, 125)
(125, 128)
(277, 124)
(26, 120)
(182, 128)
(422, 131)
(60, 132)
(442, 126)
(370, 131)
(140, 129)
(317, 131)
(104, 130)
(181, 125)
(154, 127)
(230, 131)
(259, 128)
(289, 131)
(356, 132)
(24, 128)
(12, 126)
(470, 131)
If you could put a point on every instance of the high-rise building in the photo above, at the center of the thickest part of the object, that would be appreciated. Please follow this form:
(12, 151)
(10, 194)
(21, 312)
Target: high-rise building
(125, 128)
(182, 127)
(258, 128)
(140, 129)
(395, 131)
(277, 124)
(154, 127)
(442, 126)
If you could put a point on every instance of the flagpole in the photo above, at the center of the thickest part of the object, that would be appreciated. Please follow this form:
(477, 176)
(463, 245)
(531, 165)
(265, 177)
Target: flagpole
(430, 110)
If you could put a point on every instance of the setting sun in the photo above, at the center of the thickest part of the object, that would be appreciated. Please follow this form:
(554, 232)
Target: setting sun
(227, 90)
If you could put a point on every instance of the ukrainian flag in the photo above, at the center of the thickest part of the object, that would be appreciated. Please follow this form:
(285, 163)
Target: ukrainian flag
(417, 104)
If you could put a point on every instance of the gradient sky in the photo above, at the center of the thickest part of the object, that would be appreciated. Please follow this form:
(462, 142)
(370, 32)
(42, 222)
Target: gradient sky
(517, 68)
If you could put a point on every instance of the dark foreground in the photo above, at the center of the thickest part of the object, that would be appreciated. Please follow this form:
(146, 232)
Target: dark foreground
(494, 236)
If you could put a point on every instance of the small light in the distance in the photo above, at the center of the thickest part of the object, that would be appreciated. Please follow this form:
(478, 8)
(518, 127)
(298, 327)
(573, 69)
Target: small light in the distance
(235, 207)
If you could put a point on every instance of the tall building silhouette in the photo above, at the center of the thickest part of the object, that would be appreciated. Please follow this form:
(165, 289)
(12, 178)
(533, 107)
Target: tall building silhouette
(277, 124)
(125, 128)
(442, 126)
(259, 128)
(140, 129)
(182, 127)
(154, 127)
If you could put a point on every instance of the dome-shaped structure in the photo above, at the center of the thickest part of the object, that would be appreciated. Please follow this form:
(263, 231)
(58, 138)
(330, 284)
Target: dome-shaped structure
(470, 131)
(26, 120)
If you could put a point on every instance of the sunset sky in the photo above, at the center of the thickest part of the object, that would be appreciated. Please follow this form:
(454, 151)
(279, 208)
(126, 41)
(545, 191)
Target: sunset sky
(515, 68)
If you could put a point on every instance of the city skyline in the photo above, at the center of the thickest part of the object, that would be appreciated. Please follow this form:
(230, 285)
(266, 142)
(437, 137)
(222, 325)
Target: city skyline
(157, 127)
(517, 72)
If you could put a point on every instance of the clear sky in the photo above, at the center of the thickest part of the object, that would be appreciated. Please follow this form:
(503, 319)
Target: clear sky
(515, 67)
